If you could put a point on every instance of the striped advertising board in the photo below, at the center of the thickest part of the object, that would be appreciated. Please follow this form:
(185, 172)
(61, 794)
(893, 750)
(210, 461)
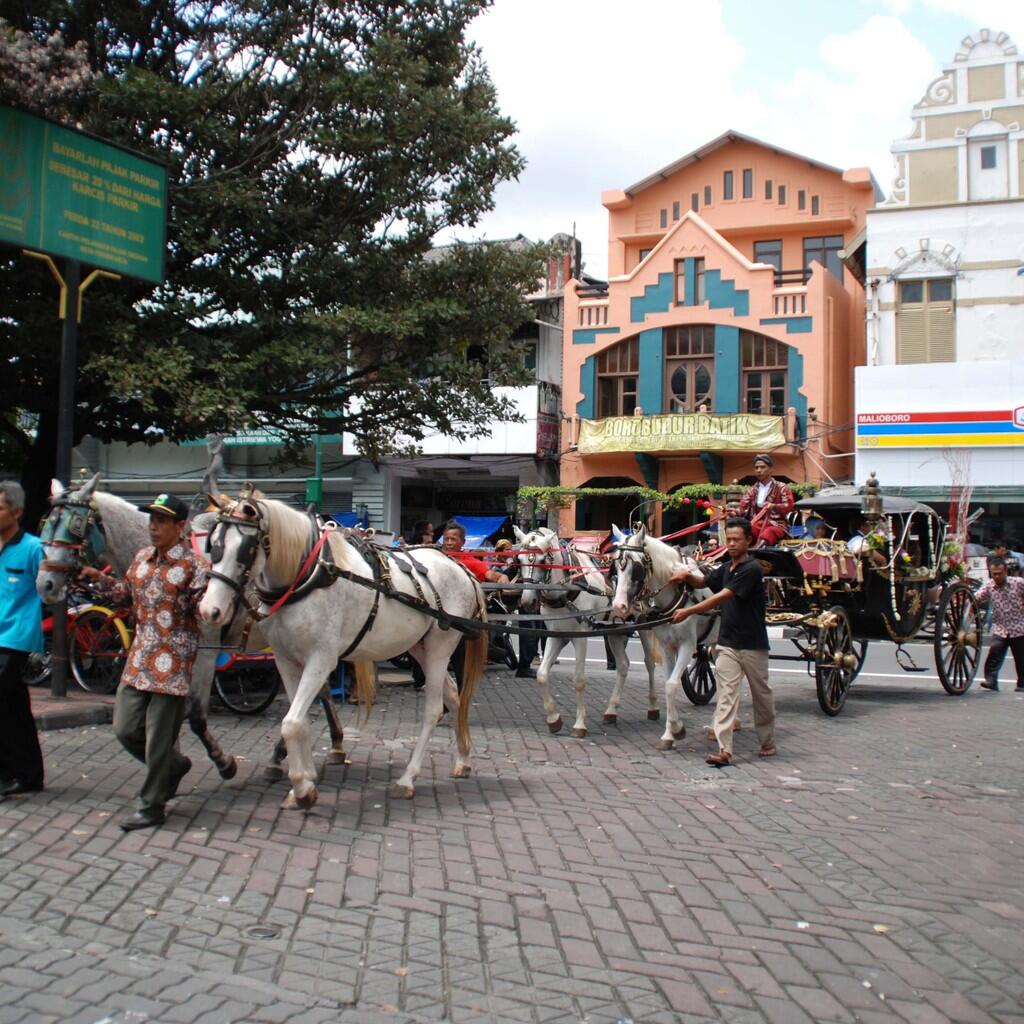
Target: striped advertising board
(962, 429)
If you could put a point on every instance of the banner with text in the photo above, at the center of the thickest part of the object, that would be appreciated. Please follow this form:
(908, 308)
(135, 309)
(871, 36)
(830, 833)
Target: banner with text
(681, 431)
(67, 194)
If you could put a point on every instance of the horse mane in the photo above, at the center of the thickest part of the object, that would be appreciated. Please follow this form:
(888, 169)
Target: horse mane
(664, 558)
(289, 532)
(106, 501)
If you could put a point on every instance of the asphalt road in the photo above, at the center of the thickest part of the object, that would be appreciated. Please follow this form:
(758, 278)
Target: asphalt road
(881, 665)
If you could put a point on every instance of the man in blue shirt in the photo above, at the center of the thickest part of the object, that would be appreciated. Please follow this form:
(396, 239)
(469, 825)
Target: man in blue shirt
(21, 633)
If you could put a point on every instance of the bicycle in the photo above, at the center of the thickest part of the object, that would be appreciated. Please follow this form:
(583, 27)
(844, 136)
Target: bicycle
(98, 642)
(246, 684)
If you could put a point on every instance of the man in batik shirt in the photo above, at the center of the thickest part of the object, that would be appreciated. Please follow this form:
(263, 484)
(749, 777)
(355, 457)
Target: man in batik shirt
(1006, 595)
(164, 585)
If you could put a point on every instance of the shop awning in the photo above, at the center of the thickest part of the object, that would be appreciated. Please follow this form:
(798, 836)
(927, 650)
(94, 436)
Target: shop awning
(479, 529)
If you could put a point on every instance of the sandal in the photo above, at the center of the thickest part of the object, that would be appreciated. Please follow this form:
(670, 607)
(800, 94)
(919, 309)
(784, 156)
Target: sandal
(719, 760)
(768, 750)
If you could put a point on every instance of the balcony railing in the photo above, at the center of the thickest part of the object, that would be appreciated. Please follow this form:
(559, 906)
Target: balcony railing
(593, 313)
(789, 277)
(790, 301)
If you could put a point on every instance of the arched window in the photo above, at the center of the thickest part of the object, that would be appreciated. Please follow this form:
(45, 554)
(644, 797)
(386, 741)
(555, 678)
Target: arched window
(765, 374)
(617, 369)
(690, 368)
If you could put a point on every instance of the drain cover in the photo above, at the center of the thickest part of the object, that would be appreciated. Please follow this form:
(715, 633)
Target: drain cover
(262, 931)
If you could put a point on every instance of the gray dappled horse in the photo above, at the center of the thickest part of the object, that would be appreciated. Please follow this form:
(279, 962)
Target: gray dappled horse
(556, 570)
(354, 602)
(85, 524)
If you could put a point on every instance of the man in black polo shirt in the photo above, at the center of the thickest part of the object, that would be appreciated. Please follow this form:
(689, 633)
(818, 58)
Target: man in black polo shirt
(742, 639)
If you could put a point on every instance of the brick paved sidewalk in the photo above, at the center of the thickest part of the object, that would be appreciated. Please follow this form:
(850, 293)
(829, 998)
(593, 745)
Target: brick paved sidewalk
(869, 873)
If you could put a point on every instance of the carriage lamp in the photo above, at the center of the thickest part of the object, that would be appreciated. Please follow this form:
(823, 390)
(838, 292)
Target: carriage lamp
(871, 502)
(363, 512)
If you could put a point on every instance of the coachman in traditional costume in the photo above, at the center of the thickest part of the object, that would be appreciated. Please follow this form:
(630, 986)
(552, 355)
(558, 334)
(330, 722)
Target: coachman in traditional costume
(769, 526)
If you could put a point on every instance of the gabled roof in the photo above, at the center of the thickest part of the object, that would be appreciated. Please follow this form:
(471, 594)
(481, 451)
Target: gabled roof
(689, 217)
(708, 148)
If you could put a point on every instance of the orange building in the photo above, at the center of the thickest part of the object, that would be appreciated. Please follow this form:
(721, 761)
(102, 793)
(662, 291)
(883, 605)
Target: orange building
(729, 325)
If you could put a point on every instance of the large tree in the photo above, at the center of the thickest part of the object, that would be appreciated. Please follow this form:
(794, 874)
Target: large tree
(315, 151)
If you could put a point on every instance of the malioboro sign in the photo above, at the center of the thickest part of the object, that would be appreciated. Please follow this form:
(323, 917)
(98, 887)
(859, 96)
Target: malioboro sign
(66, 194)
(681, 431)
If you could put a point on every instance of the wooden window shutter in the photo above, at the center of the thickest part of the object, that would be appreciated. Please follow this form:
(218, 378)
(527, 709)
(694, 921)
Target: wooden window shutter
(941, 327)
(911, 335)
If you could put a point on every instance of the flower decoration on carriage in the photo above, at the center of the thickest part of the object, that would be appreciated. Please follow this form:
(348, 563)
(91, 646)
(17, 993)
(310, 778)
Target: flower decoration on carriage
(952, 564)
(875, 540)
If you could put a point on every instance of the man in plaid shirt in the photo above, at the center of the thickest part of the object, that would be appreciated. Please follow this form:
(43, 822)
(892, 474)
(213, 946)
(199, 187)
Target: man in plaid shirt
(1006, 595)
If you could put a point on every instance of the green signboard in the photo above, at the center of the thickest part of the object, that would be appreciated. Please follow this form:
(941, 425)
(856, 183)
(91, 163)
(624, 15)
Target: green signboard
(65, 193)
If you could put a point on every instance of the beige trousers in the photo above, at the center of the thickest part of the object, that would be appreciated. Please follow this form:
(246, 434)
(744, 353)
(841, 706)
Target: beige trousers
(731, 666)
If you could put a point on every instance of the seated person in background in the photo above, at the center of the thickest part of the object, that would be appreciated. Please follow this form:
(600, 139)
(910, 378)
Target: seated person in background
(452, 543)
(822, 531)
(767, 504)
(421, 533)
(858, 544)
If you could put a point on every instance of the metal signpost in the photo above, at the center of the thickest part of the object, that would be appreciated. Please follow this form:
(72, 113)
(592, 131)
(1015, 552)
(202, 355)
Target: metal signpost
(65, 195)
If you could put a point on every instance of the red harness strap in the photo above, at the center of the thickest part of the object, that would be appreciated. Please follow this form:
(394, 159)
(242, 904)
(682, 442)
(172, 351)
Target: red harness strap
(306, 566)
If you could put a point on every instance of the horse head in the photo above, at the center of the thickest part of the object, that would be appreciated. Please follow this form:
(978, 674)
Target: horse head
(632, 568)
(536, 555)
(236, 547)
(72, 537)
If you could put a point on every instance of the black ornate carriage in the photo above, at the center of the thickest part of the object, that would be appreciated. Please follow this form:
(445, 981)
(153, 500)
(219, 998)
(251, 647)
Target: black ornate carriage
(831, 601)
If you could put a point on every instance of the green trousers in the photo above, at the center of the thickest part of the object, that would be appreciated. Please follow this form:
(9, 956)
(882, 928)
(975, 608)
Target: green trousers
(147, 725)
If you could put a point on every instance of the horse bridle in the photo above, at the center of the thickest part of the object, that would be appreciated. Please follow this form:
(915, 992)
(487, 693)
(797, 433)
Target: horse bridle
(83, 529)
(646, 564)
(534, 556)
(254, 539)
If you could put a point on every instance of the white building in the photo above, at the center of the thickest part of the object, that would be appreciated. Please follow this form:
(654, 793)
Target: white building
(945, 296)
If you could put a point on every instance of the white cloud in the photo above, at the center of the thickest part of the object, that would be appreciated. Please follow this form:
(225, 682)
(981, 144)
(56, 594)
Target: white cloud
(605, 92)
(861, 102)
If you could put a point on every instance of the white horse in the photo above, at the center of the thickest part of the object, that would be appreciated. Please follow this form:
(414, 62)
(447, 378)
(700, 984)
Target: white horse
(86, 523)
(353, 602)
(644, 566)
(542, 561)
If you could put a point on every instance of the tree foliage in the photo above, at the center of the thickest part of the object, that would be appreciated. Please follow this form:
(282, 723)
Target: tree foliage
(315, 150)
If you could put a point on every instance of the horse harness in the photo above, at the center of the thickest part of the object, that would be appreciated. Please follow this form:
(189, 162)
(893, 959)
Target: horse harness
(82, 532)
(568, 557)
(321, 570)
(644, 596)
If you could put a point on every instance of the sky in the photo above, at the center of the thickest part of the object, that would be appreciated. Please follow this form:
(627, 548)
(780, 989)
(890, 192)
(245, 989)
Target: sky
(604, 92)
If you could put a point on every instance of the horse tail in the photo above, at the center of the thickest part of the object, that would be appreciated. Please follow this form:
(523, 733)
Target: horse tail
(366, 685)
(476, 662)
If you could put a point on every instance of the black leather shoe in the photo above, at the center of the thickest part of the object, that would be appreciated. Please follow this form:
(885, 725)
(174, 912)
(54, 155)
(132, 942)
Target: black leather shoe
(176, 779)
(990, 684)
(145, 817)
(16, 787)
(526, 673)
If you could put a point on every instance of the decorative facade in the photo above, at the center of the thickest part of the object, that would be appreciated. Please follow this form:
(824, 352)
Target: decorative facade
(944, 258)
(729, 324)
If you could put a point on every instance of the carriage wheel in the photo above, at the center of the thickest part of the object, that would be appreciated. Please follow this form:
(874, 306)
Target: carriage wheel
(699, 678)
(957, 638)
(835, 664)
(860, 648)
